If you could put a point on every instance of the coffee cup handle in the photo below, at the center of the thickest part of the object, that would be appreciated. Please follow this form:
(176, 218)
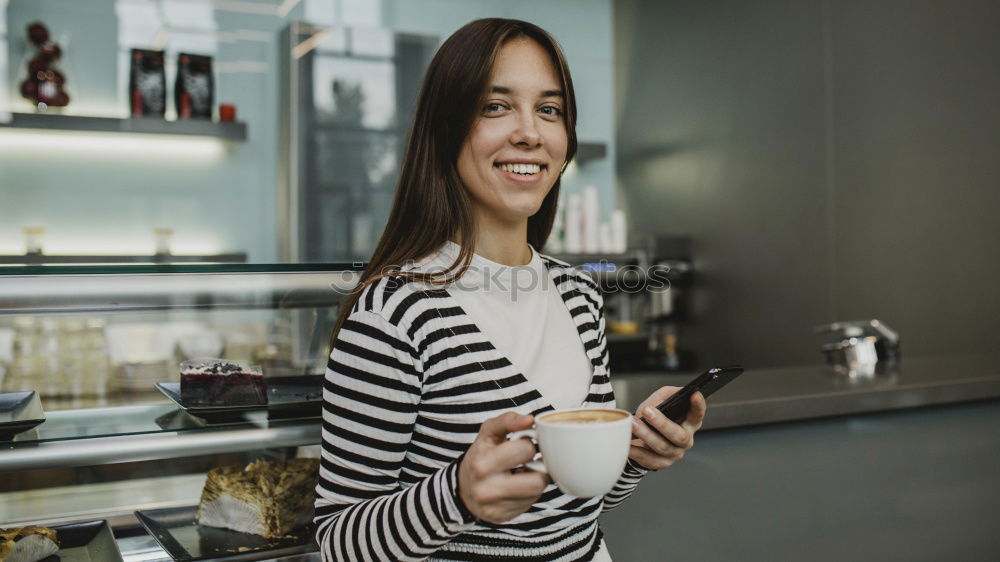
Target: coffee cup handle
(536, 464)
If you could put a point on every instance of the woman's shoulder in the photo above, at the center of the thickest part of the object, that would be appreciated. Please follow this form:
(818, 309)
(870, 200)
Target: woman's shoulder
(563, 273)
(398, 299)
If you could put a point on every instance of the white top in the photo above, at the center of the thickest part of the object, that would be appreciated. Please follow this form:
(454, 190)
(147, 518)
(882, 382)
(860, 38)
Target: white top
(522, 313)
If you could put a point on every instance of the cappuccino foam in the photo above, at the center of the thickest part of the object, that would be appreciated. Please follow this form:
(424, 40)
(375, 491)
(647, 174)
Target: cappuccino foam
(583, 416)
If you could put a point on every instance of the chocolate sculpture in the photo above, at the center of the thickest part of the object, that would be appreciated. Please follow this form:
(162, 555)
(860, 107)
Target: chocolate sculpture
(44, 85)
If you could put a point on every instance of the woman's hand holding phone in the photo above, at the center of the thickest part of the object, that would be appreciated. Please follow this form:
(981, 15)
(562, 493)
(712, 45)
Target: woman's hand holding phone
(666, 445)
(666, 422)
(486, 484)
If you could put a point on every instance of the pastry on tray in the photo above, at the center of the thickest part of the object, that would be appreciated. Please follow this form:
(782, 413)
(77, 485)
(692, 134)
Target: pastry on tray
(27, 544)
(265, 498)
(217, 382)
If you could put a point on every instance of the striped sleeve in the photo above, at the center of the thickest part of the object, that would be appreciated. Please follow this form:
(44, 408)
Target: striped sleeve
(371, 397)
(625, 486)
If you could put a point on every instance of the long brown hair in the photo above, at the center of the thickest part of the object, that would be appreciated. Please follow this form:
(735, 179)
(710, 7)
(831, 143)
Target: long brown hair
(431, 204)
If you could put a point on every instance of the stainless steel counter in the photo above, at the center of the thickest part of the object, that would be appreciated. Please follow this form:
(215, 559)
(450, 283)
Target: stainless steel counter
(762, 396)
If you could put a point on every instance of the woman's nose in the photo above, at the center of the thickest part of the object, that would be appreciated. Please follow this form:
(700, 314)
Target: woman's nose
(526, 133)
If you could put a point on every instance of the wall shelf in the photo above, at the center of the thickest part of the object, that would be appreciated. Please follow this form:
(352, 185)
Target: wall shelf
(232, 132)
(590, 150)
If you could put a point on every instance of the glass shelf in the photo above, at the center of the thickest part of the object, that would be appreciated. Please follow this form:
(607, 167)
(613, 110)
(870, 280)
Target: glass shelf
(63, 425)
(230, 132)
(146, 432)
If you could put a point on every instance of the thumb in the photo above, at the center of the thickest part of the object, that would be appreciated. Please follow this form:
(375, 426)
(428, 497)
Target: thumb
(497, 428)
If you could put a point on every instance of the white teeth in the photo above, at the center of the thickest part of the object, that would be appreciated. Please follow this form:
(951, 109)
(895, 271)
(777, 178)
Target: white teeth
(524, 169)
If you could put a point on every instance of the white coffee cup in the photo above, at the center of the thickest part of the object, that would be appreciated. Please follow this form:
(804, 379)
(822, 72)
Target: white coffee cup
(584, 450)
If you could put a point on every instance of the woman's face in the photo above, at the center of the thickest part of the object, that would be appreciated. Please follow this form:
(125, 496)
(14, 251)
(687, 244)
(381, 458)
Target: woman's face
(517, 145)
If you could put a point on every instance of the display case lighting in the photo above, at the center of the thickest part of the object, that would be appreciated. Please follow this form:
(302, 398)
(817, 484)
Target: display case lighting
(146, 147)
(77, 244)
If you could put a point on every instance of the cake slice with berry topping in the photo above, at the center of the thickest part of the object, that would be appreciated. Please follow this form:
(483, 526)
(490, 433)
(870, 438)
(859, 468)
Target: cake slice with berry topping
(217, 382)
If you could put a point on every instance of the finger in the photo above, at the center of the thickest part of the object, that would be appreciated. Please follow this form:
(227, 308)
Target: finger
(697, 413)
(651, 439)
(530, 483)
(496, 429)
(514, 487)
(659, 395)
(648, 459)
(677, 435)
(509, 454)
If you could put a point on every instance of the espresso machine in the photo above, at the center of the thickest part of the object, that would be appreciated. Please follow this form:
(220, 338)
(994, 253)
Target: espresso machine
(646, 292)
(668, 302)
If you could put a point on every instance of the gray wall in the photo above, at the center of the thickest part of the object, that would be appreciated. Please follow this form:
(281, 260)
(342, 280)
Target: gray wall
(832, 161)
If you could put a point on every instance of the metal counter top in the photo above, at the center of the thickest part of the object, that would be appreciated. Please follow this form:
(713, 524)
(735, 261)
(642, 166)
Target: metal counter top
(784, 394)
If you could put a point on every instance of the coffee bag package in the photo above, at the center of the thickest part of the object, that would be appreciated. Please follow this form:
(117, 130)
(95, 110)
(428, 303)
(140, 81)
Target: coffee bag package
(147, 84)
(194, 90)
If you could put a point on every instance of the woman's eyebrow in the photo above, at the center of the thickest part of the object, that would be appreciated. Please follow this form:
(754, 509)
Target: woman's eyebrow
(495, 89)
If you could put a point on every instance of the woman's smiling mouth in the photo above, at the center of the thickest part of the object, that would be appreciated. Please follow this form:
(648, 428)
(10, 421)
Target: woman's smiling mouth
(521, 172)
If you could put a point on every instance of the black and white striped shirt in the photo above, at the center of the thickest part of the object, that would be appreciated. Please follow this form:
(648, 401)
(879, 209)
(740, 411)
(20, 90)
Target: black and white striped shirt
(410, 380)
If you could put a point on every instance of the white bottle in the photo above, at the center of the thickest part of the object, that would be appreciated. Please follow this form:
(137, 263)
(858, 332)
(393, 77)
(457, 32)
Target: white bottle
(573, 235)
(607, 243)
(555, 244)
(591, 220)
(619, 232)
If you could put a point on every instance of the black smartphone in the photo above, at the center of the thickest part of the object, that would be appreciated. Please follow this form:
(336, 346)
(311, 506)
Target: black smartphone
(676, 407)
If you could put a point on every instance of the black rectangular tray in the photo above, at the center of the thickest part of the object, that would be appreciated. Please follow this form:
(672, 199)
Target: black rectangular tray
(91, 541)
(288, 397)
(19, 412)
(176, 529)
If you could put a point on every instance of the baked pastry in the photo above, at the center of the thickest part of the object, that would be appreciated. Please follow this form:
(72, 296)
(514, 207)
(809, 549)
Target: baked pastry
(216, 382)
(27, 544)
(266, 498)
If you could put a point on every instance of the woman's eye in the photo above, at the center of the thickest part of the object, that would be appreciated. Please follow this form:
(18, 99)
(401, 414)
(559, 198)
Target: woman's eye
(551, 111)
(493, 108)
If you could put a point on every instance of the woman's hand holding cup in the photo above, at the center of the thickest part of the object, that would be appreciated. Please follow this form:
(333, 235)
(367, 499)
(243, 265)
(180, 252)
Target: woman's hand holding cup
(659, 449)
(487, 487)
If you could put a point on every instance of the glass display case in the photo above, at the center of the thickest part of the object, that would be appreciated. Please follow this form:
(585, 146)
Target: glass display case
(99, 346)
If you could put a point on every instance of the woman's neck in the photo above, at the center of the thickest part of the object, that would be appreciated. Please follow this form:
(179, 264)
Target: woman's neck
(503, 243)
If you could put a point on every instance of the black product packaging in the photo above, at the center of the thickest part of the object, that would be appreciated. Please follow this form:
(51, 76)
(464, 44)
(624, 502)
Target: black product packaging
(194, 90)
(147, 84)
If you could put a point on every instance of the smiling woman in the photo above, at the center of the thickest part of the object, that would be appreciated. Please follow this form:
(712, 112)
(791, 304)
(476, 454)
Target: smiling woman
(517, 148)
(466, 113)
(427, 375)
